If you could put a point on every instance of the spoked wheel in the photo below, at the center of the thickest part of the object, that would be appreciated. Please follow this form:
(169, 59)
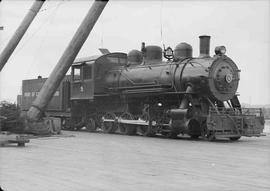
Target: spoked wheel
(127, 129)
(205, 133)
(109, 126)
(77, 123)
(98, 119)
(235, 138)
(90, 125)
(65, 124)
(146, 130)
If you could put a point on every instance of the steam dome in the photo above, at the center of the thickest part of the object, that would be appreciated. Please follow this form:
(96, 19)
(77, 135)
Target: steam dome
(183, 50)
(134, 57)
(153, 53)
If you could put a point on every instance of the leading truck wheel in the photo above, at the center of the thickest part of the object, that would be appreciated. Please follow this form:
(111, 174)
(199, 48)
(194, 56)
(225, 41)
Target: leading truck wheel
(205, 133)
(148, 130)
(127, 129)
(109, 126)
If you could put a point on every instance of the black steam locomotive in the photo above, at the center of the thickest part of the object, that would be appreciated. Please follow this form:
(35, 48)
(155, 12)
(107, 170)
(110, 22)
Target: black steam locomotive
(139, 93)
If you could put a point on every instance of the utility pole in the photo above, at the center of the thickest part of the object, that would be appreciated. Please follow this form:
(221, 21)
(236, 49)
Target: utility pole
(50, 86)
(17, 36)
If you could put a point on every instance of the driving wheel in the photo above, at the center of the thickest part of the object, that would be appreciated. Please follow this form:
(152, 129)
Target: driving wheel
(109, 126)
(127, 129)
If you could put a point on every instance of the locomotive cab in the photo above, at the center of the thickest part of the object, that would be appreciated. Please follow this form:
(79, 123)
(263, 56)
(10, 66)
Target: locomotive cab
(88, 74)
(82, 83)
(140, 92)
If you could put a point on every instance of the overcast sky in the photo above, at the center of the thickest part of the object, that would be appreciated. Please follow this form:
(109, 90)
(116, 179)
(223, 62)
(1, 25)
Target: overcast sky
(242, 26)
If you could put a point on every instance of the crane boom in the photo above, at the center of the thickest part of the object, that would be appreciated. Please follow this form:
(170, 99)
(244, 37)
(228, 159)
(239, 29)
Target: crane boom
(17, 36)
(46, 93)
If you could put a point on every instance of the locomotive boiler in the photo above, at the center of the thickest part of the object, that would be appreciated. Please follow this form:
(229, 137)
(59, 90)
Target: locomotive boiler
(141, 93)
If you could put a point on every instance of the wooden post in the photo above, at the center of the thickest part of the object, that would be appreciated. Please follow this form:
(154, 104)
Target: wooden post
(70, 53)
(17, 36)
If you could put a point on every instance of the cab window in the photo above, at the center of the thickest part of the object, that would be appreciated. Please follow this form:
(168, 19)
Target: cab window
(87, 72)
(76, 73)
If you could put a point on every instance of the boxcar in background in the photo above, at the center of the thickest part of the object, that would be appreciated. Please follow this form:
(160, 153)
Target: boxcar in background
(58, 107)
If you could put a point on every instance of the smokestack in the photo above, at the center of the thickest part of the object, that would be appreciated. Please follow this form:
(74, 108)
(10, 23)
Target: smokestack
(204, 45)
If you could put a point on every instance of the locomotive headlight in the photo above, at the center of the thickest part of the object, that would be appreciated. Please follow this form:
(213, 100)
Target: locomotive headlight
(220, 50)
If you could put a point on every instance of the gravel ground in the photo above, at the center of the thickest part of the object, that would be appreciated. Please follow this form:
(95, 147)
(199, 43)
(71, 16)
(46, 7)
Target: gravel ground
(95, 161)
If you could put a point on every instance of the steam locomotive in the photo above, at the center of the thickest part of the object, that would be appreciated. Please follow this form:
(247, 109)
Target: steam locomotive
(140, 93)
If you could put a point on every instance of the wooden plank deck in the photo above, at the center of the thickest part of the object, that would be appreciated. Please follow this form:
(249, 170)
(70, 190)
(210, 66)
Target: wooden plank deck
(7, 138)
(95, 161)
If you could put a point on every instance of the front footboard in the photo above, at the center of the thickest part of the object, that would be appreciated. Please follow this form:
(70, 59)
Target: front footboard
(231, 123)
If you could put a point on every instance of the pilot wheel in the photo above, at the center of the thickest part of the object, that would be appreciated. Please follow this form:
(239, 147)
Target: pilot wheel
(146, 130)
(205, 133)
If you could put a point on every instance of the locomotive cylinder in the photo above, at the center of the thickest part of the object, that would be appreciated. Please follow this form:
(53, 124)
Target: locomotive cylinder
(177, 114)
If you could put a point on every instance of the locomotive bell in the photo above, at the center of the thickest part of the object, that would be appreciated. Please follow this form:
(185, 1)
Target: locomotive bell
(134, 57)
(183, 50)
(153, 54)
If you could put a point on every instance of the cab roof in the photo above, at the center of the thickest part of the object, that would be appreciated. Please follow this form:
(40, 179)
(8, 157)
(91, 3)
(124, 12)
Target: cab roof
(78, 61)
(82, 60)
